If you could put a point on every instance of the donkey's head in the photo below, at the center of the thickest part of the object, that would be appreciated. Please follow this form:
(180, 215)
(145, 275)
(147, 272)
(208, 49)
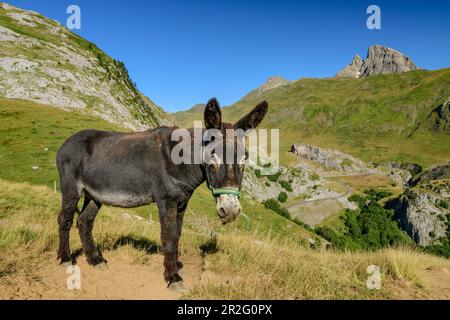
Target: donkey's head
(225, 155)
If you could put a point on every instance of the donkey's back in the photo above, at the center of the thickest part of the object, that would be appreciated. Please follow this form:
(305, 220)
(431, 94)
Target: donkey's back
(118, 169)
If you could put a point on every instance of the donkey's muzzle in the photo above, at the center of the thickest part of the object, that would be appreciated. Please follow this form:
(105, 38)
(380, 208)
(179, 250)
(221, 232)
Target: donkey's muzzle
(228, 207)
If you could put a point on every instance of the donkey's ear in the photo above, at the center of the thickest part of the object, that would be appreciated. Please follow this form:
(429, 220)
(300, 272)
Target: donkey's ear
(213, 115)
(254, 118)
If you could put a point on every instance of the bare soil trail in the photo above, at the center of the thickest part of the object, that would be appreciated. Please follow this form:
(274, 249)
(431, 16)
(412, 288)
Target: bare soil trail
(125, 278)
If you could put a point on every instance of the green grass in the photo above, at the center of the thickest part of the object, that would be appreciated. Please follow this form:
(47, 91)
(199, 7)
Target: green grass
(27, 130)
(246, 257)
(30, 135)
(372, 118)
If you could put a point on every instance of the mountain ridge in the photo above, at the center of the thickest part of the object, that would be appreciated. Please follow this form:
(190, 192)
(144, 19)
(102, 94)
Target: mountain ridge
(379, 60)
(43, 62)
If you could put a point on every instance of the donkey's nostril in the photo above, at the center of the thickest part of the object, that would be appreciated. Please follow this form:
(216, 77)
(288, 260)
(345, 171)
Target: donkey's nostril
(222, 212)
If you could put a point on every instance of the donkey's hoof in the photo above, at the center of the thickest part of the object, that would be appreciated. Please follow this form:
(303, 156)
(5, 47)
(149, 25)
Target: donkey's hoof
(101, 266)
(177, 287)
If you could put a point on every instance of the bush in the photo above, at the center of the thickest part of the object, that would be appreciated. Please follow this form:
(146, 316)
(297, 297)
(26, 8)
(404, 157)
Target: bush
(443, 204)
(282, 197)
(258, 173)
(274, 177)
(314, 177)
(286, 185)
(370, 227)
(377, 195)
(274, 205)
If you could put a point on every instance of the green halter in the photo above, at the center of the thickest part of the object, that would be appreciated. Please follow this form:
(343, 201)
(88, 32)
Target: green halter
(227, 190)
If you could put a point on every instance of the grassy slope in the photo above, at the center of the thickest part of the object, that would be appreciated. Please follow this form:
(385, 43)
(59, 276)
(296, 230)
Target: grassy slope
(27, 130)
(369, 118)
(247, 263)
(141, 107)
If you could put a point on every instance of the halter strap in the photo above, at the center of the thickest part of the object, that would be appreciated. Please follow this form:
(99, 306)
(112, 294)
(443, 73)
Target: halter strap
(226, 190)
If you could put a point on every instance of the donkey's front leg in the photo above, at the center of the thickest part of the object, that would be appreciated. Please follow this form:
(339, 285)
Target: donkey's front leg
(169, 242)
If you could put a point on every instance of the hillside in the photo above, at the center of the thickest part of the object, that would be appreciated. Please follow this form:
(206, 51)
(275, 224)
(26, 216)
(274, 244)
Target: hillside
(378, 118)
(42, 61)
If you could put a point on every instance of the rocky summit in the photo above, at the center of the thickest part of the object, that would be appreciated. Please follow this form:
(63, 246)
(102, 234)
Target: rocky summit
(273, 82)
(379, 60)
(353, 70)
(42, 61)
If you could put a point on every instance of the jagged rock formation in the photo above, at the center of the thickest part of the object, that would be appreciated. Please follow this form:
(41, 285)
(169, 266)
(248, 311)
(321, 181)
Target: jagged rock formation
(438, 172)
(353, 69)
(423, 210)
(42, 61)
(379, 60)
(422, 213)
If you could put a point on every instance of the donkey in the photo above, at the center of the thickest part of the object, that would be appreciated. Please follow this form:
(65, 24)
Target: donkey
(135, 169)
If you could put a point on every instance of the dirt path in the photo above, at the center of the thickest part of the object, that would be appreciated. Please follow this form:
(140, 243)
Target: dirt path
(124, 279)
(347, 193)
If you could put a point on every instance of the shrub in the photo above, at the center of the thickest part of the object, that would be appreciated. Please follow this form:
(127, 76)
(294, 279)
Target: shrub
(258, 173)
(282, 197)
(274, 205)
(443, 204)
(370, 227)
(286, 185)
(314, 177)
(274, 177)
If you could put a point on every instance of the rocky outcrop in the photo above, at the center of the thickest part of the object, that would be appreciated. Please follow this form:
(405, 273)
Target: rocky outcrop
(42, 61)
(437, 172)
(379, 60)
(272, 83)
(330, 159)
(383, 60)
(441, 117)
(423, 215)
(352, 70)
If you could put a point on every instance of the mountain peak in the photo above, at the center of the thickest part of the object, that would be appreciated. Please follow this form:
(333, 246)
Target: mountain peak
(353, 69)
(379, 60)
(273, 82)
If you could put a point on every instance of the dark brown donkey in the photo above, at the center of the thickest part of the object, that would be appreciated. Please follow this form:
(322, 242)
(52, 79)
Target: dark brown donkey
(135, 169)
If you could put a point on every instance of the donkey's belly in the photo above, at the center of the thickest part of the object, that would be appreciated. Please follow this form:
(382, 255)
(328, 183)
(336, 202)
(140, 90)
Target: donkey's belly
(120, 198)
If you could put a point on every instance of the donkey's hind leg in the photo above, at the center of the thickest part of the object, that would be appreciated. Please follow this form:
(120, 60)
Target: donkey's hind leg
(85, 223)
(70, 198)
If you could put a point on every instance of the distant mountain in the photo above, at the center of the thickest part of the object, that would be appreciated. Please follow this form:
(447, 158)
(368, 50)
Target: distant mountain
(379, 60)
(353, 70)
(395, 117)
(42, 61)
(272, 83)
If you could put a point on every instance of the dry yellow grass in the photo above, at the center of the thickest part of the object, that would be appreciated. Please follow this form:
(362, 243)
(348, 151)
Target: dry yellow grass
(243, 265)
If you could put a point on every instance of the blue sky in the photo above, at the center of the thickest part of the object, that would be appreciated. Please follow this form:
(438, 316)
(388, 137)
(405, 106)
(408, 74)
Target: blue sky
(183, 52)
